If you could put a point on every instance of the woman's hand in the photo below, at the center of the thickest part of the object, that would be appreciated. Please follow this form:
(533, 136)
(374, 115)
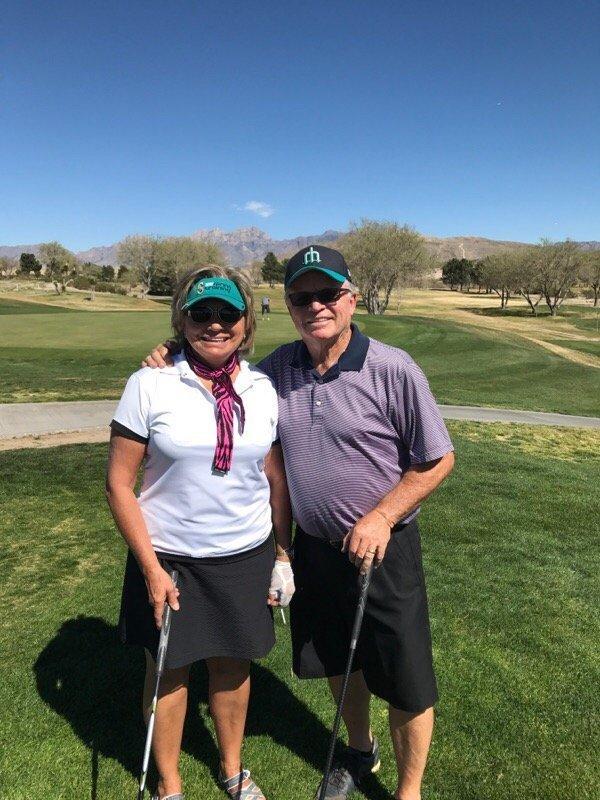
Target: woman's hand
(282, 583)
(160, 590)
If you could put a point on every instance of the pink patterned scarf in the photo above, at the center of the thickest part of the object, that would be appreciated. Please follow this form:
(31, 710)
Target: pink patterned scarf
(226, 396)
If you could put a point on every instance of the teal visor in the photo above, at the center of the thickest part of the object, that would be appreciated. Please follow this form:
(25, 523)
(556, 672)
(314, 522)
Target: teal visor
(216, 288)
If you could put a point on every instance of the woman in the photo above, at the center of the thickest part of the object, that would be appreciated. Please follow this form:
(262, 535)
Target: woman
(213, 489)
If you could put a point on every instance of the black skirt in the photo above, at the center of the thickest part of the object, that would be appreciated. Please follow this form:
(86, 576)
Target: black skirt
(223, 607)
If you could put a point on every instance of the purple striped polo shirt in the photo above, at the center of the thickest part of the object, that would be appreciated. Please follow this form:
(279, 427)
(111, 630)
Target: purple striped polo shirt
(348, 435)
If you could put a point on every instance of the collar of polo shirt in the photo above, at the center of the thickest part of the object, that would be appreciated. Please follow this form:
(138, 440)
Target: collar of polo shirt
(351, 360)
(242, 383)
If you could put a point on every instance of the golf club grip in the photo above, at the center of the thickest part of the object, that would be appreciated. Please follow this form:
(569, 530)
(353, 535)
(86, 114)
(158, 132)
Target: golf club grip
(365, 581)
(165, 630)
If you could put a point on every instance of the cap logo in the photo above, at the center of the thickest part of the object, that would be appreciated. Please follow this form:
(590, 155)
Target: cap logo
(220, 286)
(312, 257)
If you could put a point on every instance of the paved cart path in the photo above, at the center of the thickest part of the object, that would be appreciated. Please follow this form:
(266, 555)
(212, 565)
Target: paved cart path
(476, 414)
(35, 419)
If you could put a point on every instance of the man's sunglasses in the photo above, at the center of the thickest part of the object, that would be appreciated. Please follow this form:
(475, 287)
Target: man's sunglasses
(226, 314)
(325, 296)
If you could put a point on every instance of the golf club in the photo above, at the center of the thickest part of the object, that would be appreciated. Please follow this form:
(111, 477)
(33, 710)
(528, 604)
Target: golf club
(160, 663)
(364, 581)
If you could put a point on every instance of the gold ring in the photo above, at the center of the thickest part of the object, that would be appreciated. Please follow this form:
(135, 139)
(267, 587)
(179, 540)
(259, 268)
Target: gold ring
(372, 551)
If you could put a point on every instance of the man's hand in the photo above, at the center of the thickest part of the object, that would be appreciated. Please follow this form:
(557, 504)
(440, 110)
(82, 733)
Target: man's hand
(161, 356)
(367, 541)
(160, 590)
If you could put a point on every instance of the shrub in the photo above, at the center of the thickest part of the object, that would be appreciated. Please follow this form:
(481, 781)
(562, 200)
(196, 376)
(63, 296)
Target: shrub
(82, 282)
(111, 288)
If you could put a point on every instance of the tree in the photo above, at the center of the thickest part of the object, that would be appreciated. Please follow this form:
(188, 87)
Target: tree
(91, 270)
(254, 272)
(527, 277)
(28, 263)
(476, 275)
(162, 283)
(157, 263)
(383, 256)
(457, 272)
(449, 274)
(272, 270)
(590, 272)
(559, 266)
(122, 273)
(8, 266)
(60, 274)
(139, 254)
(54, 251)
(61, 264)
(107, 273)
(179, 254)
(280, 271)
(498, 273)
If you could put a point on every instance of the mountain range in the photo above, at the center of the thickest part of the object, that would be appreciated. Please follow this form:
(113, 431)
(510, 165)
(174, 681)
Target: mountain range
(245, 245)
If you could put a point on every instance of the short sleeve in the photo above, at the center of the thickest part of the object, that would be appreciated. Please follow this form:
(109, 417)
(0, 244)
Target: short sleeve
(418, 419)
(133, 411)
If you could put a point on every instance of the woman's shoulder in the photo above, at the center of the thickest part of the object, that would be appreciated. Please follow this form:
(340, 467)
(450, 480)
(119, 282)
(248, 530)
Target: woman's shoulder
(145, 377)
(148, 376)
(142, 385)
(257, 377)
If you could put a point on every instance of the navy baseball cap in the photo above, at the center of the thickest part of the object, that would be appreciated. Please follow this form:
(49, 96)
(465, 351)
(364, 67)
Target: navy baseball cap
(316, 257)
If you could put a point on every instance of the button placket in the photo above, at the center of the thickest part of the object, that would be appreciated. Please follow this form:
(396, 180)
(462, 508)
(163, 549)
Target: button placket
(317, 403)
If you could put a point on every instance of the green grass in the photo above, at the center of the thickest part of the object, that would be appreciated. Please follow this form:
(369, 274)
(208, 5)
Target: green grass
(593, 348)
(512, 562)
(86, 356)
(467, 366)
(588, 321)
(77, 356)
(9, 307)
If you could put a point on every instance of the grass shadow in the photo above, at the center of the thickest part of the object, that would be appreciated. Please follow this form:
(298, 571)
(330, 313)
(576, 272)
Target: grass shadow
(524, 312)
(520, 312)
(94, 682)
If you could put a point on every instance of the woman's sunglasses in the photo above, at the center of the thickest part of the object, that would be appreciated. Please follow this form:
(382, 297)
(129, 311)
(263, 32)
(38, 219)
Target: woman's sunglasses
(226, 314)
(325, 296)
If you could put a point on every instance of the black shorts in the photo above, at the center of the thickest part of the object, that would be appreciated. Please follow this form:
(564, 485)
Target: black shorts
(223, 607)
(394, 648)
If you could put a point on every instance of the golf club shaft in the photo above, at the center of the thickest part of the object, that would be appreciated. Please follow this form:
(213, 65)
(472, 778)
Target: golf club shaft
(163, 642)
(365, 581)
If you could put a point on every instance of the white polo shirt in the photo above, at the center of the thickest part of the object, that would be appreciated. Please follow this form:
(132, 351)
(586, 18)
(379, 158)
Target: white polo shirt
(188, 509)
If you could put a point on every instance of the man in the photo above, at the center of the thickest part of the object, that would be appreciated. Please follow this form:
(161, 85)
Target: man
(364, 444)
(265, 307)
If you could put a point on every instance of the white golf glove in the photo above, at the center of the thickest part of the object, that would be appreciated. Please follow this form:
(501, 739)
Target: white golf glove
(282, 583)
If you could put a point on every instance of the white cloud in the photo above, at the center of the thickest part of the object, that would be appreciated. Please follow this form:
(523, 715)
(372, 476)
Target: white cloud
(257, 207)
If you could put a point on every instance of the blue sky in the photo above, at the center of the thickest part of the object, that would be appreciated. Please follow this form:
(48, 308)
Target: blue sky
(456, 117)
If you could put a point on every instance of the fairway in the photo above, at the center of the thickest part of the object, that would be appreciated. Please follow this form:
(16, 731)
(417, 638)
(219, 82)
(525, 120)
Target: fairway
(512, 562)
(79, 355)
